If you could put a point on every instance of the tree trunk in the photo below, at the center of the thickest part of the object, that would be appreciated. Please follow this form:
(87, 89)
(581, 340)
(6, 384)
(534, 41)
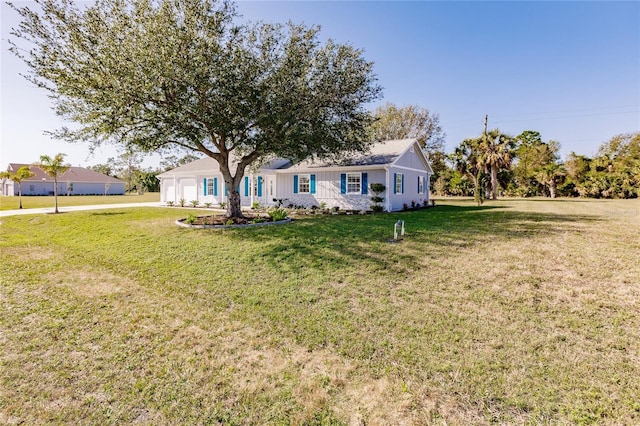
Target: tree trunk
(494, 182)
(234, 209)
(55, 195)
(552, 188)
(20, 194)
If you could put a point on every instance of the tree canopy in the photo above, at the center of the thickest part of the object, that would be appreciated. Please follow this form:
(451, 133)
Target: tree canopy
(156, 75)
(410, 121)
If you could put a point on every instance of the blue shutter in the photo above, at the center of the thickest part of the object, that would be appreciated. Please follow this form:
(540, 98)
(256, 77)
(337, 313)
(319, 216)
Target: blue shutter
(204, 190)
(246, 186)
(419, 184)
(225, 189)
(395, 185)
(215, 187)
(312, 180)
(295, 184)
(402, 191)
(343, 183)
(259, 186)
(365, 184)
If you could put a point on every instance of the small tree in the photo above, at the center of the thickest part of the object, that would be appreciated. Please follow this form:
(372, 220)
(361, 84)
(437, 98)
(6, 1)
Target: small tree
(376, 199)
(23, 173)
(54, 167)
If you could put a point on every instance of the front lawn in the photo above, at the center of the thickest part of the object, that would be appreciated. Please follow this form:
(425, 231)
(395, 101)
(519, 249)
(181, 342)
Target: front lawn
(33, 202)
(517, 311)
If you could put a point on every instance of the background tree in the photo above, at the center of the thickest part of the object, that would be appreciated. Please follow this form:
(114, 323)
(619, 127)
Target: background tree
(164, 74)
(54, 167)
(495, 152)
(467, 160)
(171, 162)
(23, 173)
(410, 121)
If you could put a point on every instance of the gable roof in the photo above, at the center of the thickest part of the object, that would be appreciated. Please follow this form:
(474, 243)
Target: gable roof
(209, 164)
(382, 153)
(74, 174)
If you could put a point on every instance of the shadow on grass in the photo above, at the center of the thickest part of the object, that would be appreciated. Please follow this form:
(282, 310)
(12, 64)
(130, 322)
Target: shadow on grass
(341, 241)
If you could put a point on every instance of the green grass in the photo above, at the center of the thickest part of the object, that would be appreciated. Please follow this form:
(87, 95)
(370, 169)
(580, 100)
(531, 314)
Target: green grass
(12, 203)
(515, 312)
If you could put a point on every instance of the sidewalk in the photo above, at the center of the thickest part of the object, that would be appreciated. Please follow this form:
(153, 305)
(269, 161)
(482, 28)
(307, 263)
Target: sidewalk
(4, 213)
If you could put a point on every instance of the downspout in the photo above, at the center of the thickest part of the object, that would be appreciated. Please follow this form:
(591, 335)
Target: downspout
(387, 200)
(251, 189)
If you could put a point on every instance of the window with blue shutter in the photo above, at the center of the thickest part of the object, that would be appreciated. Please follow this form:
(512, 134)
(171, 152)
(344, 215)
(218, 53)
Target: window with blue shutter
(395, 183)
(402, 191)
(204, 187)
(365, 184)
(343, 183)
(259, 186)
(295, 184)
(215, 187)
(313, 184)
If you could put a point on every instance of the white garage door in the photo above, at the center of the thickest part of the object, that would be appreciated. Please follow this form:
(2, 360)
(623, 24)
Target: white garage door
(169, 192)
(189, 190)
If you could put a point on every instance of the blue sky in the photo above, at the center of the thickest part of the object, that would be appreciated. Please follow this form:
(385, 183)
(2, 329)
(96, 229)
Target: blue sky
(570, 70)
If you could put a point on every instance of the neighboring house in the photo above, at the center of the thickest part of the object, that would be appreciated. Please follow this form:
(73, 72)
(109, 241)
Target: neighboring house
(400, 165)
(75, 181)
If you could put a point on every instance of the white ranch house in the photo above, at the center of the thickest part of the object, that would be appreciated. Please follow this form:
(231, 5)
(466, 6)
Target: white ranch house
(400, 165)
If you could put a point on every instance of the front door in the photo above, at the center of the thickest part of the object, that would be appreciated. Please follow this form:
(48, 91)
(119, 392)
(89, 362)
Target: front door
(269, 190)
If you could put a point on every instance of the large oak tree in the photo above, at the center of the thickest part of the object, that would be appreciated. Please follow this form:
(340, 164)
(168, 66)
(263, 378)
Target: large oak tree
(157, 75)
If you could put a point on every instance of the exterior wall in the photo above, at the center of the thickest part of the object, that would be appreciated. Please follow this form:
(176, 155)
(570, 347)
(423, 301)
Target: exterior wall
(192, 189)
(399, 199)
(77, 188)
(328, 190)
(410, 160)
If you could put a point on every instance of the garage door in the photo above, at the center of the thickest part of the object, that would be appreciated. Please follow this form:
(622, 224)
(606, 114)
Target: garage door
(189, 190)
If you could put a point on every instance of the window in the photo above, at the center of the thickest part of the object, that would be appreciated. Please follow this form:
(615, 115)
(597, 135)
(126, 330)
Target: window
(353, 183)
(304, 184)
(399, 183)
(271, 187)
(209, 187)
(420, 184)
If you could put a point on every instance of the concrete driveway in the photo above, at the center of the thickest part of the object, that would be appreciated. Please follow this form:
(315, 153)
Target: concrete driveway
(4, 213)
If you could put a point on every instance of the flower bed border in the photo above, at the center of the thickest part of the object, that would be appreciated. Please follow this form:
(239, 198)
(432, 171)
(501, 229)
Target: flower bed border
(181, 222)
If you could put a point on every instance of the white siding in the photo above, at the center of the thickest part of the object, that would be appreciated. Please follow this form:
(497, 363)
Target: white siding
(410, 188)
(328, 190)
(410, 160)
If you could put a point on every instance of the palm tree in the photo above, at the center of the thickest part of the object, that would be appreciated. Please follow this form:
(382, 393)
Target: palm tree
(495, 152)
(54, 167)
(467, 160)
(548, 175)
(23, 173)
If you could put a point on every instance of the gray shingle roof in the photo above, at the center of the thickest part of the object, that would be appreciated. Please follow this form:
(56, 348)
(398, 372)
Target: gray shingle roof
(74, 174)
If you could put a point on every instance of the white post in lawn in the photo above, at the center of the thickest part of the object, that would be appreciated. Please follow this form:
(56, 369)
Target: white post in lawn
(395, 229)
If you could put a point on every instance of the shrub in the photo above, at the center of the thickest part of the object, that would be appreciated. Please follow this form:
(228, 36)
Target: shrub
(182, 202)
(229, 222)
(258, 220)
(194, 203)
(207, 204)
(223, 205)
(376, 199)
(191, 218)
(170, 203)
(323, 205)
(413, 204)
(405, 206)
(278, 214)
(255, 205)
